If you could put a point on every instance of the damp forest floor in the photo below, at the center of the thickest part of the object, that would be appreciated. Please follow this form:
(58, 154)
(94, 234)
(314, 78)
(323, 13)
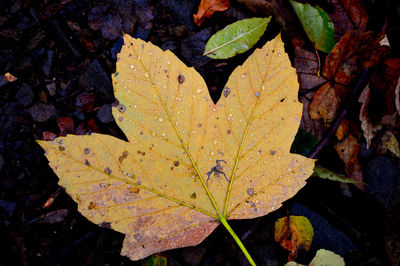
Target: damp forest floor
(64, 65)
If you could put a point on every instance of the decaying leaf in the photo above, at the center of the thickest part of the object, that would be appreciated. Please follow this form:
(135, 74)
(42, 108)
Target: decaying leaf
(379, 106)
(307, 67)
(316, 24)
(348, 15)
(383, 84)
(368, 127)
(207, 9)
(188, 164)
(322, 258)
(390, 143)
(324, 173)
(354, 52)
(348, 149)
(294, 233)
(327, 258)
(236, 38)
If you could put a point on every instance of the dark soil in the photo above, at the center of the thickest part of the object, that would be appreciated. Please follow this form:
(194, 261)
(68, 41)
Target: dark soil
(64, 67)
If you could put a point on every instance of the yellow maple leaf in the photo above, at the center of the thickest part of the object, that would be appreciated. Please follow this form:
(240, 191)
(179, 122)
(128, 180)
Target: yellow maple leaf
(188, 164)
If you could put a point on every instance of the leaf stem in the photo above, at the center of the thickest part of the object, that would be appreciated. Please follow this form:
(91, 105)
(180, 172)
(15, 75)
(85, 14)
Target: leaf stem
(224, 222)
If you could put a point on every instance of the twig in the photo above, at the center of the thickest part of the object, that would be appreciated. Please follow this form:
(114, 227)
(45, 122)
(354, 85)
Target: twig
(339, 118)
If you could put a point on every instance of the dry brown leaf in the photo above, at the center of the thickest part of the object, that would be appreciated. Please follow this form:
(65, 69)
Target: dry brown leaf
(354, 52)
(326, 102)
(348, 150)
(307, 68)
(348, 15)
(314, 126)
(207, 9)
(368, 127)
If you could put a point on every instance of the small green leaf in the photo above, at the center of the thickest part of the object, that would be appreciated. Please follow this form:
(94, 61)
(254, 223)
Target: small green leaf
(328, 174)
(316, 24)
(155, 260)
(236, 38)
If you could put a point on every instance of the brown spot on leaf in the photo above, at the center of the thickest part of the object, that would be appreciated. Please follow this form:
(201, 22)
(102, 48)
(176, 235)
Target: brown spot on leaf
(86, 151)
(176, 163)
(226, 91)
(272, 152)
(107, 170)
(61, 148)
(123, 156)
(135, 190)
(228, 132)
(92, 205)
(181, 78)
(193, 196)
(121, 108)
(250, 191)
(87, 163)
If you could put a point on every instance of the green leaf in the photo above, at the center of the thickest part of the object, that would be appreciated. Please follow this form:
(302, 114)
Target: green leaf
(316, 24)
(155, 260)
(236, 38)
(328, 174)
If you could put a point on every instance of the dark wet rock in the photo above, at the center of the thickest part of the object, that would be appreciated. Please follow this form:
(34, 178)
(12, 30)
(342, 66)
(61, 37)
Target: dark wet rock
(24, 95)
(24, 64)
(117, 47)
(1, 161)
(193, 255)
(104, 114)
(2, 81)
(113, 17)
(7, 59)
(47, 62)
(383, 181)
(366, 153)
(51, 88)
(41, 112)
(182, 10)
(142, 33)
(37, 37)
(179, 30)
(94, 77)
(8, 206)
(325, 235)
(193, 48)
(3, 20)
(168, 45)
(268, 255)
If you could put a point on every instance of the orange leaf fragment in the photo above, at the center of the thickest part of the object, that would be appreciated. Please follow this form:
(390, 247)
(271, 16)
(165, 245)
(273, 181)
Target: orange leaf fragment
(207, 9)
(293, 235)
(9, 77)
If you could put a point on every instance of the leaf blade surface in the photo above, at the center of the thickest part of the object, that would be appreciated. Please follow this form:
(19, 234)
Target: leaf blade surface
(167, 186)
(236, 38)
